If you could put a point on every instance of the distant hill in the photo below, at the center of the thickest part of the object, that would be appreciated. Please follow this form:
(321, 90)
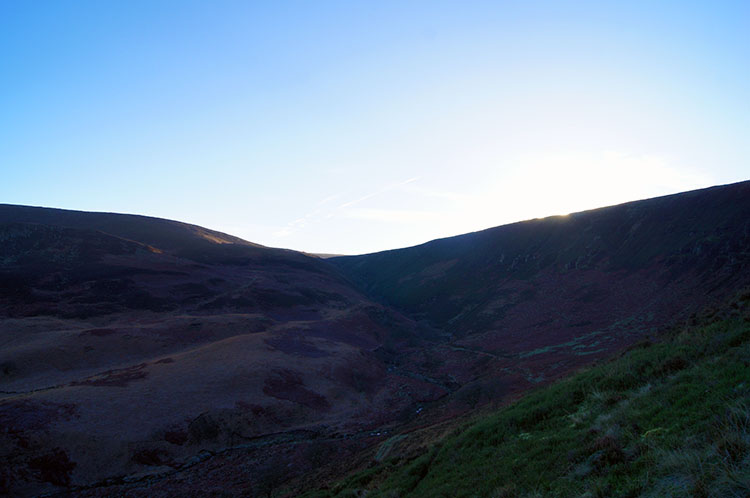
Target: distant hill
(325, 256)
(180, 239)
(75, 260)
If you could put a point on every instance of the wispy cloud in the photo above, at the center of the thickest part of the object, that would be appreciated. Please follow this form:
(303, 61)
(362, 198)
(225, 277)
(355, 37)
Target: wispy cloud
(322, 212)
(387, 188)
(392, 215)
(296, 225)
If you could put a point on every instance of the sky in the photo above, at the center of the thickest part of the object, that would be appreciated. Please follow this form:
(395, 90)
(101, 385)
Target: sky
(358, 126)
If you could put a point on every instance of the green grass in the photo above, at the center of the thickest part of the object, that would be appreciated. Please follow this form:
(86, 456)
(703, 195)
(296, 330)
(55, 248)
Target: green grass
(664, 419)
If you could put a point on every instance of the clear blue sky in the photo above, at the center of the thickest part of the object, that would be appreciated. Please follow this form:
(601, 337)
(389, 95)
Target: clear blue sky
(356, 126)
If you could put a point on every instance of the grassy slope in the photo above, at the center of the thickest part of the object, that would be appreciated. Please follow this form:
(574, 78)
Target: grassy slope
(664, 419)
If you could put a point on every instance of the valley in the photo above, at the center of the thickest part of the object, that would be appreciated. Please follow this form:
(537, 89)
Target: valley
(147, 357)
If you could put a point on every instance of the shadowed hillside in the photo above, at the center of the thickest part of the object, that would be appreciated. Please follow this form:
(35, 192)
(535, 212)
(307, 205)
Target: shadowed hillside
(132, 346)
(524, 303)
(167, 235)
(471, 282)
(149, 357)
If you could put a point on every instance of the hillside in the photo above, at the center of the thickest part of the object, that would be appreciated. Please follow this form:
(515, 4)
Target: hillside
(670, 418)
(167, 235)
(131, 345)
(474, 282)
(148, 357)
(525, 303)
